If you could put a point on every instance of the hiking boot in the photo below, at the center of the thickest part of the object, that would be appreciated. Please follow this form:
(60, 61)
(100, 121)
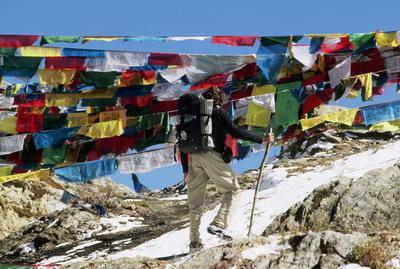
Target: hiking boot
(218, 231)
(195, 246)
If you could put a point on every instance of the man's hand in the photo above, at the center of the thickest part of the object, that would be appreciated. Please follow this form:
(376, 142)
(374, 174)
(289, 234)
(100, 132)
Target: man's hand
(269, 138)
(185, 177)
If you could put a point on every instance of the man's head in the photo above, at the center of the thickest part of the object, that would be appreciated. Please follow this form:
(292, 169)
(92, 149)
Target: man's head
(216, 94)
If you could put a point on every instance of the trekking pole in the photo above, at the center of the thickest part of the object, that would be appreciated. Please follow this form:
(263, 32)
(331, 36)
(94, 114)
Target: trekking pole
(268, 147)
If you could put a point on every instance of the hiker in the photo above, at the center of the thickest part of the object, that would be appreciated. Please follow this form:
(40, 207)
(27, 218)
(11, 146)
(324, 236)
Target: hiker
(213, 164)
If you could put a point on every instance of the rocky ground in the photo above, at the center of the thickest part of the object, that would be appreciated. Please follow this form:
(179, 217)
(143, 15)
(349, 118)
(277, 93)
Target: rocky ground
(343, 222)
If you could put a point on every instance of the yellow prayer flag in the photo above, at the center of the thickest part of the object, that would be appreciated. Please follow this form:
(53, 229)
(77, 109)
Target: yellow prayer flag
(310, 123)
(259, 90)
(257, 115)
(5, 170)
(103, 129)
(99, 93)
(40, 174)
(62, 99)
(100, 38)
(344, 117)
(389, 126)
(8, 125)
(55, 76)
(40, 52)
(326, 35)
(119, 114)
(366, 81)
(17, 87)
(77, 119)
(387, 39)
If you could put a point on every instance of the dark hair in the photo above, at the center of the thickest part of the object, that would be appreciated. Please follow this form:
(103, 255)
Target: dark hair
(215, 93)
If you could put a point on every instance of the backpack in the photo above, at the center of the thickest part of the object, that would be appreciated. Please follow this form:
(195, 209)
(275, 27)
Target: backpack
(195, 125)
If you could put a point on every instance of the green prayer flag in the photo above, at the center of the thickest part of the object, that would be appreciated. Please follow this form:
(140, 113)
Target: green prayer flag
(12, 63)
(54, 155)
(288, 86)
(99, 102)
(156, 136)
(49, 39)
(10, 266)
(54, 121)
(339, 91)
(398, 87)
(7, 51)
(362, 42)
(273, 40)
(149, 121)
(99, 79)
(6, 170)
(287, 111)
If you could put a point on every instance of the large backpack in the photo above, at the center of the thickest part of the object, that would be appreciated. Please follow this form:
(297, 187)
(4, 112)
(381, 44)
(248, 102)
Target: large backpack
(195, 124)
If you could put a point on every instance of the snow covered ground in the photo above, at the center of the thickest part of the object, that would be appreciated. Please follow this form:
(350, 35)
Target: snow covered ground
(278, 193)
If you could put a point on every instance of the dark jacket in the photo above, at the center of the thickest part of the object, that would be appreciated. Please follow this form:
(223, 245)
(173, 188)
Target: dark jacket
(221, 126)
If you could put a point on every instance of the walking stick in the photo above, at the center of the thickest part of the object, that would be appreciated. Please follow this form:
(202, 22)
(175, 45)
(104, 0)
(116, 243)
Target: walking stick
(268, 147)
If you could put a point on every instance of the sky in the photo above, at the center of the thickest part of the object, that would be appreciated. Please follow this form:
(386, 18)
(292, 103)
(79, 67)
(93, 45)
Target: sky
(196, 18)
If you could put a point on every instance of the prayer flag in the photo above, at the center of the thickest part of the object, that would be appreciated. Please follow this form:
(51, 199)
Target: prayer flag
(50, 39)
(40, 52)
(10, 144)
(82, 172)
(17, 41)
(234, 40)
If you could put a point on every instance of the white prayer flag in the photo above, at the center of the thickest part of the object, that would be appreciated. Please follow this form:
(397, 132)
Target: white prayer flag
(10, 144)
(339, 72)
(303, 55)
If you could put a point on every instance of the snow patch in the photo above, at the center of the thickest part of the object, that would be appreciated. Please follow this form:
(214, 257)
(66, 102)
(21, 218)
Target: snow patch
(176, 198)
(82, 246)
(321, 145)
(27, 248)
(352, 266)
(272, 248)
(394, 263)
(119, 224)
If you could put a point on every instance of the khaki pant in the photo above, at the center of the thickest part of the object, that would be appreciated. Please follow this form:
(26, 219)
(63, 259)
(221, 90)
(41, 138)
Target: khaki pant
(205, 166)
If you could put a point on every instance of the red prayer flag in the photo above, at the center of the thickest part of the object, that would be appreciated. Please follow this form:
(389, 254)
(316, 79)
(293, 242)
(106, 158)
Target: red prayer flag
(167, 59)
(74, 63)
(20, 101)
(117, 145)
(335, 44)
(372, 66)
(249, 70)
(17, 41)
(234, 40)
(164, 106)
(215, 80)
(315, 100)
(242, 93)
(315, 79)
(29, 122)
(138, 101)
(131, 78)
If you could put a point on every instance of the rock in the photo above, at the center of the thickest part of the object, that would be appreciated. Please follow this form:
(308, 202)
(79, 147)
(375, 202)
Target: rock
(128, 204)
(68, 225)
(124, 263)
(21, 202)
(369, 204)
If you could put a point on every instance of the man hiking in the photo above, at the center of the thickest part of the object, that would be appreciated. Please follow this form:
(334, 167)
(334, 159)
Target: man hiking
(213, 164)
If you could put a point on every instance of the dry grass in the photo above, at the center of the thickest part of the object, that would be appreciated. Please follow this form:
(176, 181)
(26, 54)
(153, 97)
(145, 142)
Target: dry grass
(372, 254)
(105, 195)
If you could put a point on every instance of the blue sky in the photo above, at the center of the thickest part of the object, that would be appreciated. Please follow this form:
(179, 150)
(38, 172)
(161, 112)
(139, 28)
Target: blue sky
(195, 18)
